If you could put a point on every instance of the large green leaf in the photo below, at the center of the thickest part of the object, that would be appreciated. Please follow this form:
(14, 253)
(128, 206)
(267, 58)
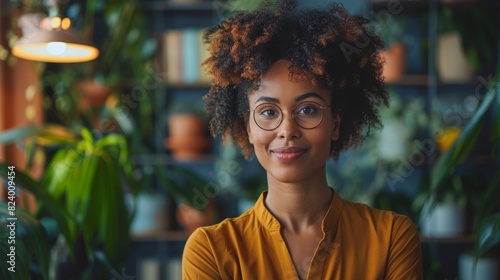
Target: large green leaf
(462, 146)
(84, 179)
(487, 234)
(495, 133)
(30, 242)
(47, 202)
(47, 134)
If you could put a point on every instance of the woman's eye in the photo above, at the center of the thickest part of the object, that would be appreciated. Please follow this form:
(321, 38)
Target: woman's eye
(268, 112)
(308, 109)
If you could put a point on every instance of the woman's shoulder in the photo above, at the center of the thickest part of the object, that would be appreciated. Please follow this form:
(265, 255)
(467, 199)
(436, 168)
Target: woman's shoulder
(229, 226)
(360, 212)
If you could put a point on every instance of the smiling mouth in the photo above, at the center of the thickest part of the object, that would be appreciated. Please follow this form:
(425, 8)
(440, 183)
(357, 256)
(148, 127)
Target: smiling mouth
(287, 154)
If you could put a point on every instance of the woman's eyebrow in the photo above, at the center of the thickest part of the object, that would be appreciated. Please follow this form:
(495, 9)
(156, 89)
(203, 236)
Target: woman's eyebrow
(268, 99)
(307, 95)
(297, 99)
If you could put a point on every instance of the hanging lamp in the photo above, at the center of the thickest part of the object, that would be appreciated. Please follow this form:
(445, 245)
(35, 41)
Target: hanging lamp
(50, 39)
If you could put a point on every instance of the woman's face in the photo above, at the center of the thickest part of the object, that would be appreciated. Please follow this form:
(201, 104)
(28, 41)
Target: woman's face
(291, 153)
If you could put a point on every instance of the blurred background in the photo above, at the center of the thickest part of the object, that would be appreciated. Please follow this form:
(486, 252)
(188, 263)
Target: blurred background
(107, 163)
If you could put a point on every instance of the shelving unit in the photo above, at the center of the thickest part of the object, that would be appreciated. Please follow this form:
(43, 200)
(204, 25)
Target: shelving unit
(159, 252)
(422, 81)
(440, 254)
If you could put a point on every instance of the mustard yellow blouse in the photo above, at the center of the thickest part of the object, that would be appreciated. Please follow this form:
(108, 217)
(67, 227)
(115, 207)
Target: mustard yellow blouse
(359, 242)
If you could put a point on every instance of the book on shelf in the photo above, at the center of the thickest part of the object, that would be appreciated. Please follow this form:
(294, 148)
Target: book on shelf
(156, 269)
(149, 269)
(173, 270)
(181, 57)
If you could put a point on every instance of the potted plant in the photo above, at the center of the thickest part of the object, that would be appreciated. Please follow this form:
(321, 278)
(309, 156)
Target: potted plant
(187, 130)
(36, 232)
(395, 39)
(487, 219)
(466, 43)
(125, 63)
(195, 196)
(88, 176)
(447, 218)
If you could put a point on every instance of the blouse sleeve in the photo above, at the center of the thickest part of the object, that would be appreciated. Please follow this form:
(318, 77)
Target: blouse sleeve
(405, 257)
(198, 261)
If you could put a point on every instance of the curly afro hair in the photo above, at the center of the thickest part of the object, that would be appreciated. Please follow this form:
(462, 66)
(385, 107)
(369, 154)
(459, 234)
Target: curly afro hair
(328, 46)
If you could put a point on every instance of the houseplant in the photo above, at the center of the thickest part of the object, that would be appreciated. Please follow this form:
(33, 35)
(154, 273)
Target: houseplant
(387, 158)
(33, 231)
(188, 135)
(487, 221)
(87, 176)
(195, 196)
(396, 40)
(122, 73)
(466, 42)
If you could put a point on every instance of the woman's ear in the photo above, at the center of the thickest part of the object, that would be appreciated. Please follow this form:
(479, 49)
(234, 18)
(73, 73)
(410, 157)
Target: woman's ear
(337, 118)
(249, 133)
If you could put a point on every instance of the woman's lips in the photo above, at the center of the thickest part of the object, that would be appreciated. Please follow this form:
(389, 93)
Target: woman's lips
(287, 154)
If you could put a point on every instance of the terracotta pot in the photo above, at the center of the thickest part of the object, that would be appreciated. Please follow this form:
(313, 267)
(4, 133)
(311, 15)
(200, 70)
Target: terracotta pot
(190, 218)
(187, 147)
(92, 94)
(395, 62)
(181, 125)
(187, 136)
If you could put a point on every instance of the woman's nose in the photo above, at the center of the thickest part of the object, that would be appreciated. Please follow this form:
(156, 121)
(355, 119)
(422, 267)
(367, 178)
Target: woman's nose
(288, 128)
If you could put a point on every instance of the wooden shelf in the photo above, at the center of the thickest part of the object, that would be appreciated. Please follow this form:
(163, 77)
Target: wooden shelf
(411, 80)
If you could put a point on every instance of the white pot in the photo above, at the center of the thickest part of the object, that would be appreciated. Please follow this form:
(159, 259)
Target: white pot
(486, 268)
(393, 143)
(151, 214)
(446, 220)
(452, 64)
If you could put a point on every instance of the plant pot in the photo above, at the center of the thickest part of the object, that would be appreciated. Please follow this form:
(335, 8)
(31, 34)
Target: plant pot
(187, 136)
(180, 125)
(187, 148)
(92, 94)
(395, 62)
(452, 64)
(486, 268)
(151, 214)
(191, 218)
(446, 220)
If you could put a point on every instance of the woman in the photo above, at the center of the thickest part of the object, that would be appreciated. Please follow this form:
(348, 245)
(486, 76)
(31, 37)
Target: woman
(296, 87)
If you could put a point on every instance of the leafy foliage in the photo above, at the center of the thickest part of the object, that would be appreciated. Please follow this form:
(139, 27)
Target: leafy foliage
(85, 178)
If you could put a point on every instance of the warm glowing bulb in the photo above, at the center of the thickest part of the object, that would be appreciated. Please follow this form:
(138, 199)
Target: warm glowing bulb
(55, 22)
(56, 48)
(66, 24)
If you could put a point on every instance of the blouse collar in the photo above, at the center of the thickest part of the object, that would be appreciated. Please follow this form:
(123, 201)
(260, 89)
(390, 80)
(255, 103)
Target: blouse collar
(328, 225)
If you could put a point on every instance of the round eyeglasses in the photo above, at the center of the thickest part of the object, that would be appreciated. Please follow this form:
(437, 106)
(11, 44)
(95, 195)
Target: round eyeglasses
(269, 116)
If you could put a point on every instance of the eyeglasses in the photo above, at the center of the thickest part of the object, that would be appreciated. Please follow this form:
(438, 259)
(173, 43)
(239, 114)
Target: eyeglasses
(269, 116)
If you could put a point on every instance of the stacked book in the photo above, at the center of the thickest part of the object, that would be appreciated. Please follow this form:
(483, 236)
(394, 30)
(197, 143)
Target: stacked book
(182, 54)
(155, 269)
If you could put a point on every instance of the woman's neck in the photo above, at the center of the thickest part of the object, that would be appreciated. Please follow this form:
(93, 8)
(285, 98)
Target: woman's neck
(297, 207)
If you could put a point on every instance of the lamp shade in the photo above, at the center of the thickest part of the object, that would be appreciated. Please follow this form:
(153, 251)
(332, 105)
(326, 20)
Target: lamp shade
(54, 45)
